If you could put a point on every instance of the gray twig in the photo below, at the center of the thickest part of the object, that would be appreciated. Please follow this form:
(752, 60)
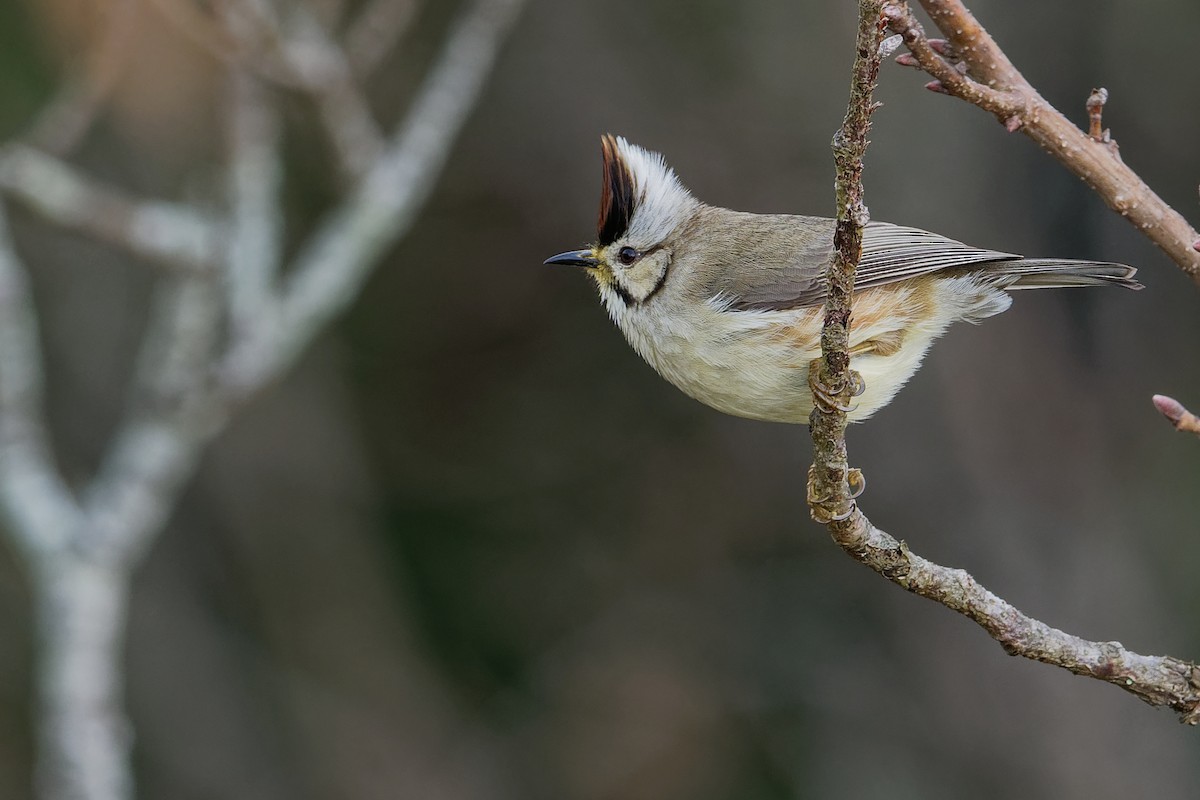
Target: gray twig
(170, 234)
(332, 266)
(191, 372)
(40, 510)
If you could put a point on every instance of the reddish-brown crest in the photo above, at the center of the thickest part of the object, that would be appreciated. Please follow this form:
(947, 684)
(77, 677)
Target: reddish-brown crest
(617, 195)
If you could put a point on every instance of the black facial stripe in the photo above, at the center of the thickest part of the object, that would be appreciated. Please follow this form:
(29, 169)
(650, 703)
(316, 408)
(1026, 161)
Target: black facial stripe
(621, 292)
(662, 279)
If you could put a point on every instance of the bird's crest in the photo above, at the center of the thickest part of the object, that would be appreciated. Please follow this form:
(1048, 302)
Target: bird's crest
(641, 197)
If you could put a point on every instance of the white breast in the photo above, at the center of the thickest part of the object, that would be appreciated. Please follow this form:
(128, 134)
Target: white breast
(752, 364)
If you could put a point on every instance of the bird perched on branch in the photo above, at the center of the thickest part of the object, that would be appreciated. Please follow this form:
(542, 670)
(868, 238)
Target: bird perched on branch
(728, 306)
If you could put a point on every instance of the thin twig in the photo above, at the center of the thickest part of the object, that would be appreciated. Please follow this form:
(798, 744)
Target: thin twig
(40, 513)
(1095, 109)
(255, 214)
(331, 267)
(995, 85)
(63, 122)
(374, 31)
(169, 234)
(323, 69)
(232, 40)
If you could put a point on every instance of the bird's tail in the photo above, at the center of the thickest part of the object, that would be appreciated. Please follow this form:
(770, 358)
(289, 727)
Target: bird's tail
(1057, 273)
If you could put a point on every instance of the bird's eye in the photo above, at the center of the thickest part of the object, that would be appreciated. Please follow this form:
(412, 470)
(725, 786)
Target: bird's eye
(627, 255)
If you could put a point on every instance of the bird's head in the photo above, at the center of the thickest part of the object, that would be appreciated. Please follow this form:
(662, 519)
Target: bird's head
(642, 209)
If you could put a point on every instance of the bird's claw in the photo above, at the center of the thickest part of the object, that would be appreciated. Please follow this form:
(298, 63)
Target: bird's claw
(857, 482)
(826, 399)
(818, 503)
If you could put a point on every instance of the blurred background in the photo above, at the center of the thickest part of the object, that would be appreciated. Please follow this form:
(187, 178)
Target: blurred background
(473, 547)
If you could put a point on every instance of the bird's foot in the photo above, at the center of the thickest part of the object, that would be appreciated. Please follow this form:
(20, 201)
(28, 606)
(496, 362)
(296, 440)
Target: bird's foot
(857, 482)
(818, 502)
(826, 398)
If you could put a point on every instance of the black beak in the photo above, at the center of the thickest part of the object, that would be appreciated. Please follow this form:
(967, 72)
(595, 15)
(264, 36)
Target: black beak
(575, 258)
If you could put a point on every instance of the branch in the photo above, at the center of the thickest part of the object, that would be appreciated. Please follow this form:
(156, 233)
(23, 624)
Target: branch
(829, 493)
(1176, 414)
(168, 233)
(173, 412)
(39, 510)
(332, 266)
(255, 177)
(63, 122)
(374, 31)
(1158, 680)
(322, 68)
(995, 85)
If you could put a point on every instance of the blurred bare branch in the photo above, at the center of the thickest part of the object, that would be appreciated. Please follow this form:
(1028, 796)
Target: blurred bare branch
(375, 30)
(39, 509)
(222, 326)
(171, 234)
(255, 218)
(68, 116)
(323, 68)
(332, 265)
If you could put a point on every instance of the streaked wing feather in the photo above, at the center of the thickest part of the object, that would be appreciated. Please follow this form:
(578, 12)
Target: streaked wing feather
(890, 253)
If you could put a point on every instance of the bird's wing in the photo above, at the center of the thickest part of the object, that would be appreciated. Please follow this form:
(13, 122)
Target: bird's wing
(890, 253)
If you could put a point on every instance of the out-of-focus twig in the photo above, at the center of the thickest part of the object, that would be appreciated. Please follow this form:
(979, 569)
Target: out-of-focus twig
(332, 265)
(374, 31)
(67, 117)
(989, 80)
(33, 495)
(192, 372)
(1176, 414)
(232, 39)
(323, 69)
(173, 235)
(255, 212)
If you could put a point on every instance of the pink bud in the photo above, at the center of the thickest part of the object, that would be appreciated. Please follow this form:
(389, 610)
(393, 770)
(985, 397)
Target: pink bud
(939, 46)
(1169, 407)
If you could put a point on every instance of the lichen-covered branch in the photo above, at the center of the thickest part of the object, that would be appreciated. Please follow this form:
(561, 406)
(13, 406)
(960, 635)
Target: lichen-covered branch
(991, 82)
(1158, 680)
(829, 490)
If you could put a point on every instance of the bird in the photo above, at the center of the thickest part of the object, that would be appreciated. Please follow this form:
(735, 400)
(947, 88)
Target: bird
(728, 306)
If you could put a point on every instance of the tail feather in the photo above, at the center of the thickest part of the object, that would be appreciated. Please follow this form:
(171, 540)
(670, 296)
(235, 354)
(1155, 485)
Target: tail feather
(1055, 273)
